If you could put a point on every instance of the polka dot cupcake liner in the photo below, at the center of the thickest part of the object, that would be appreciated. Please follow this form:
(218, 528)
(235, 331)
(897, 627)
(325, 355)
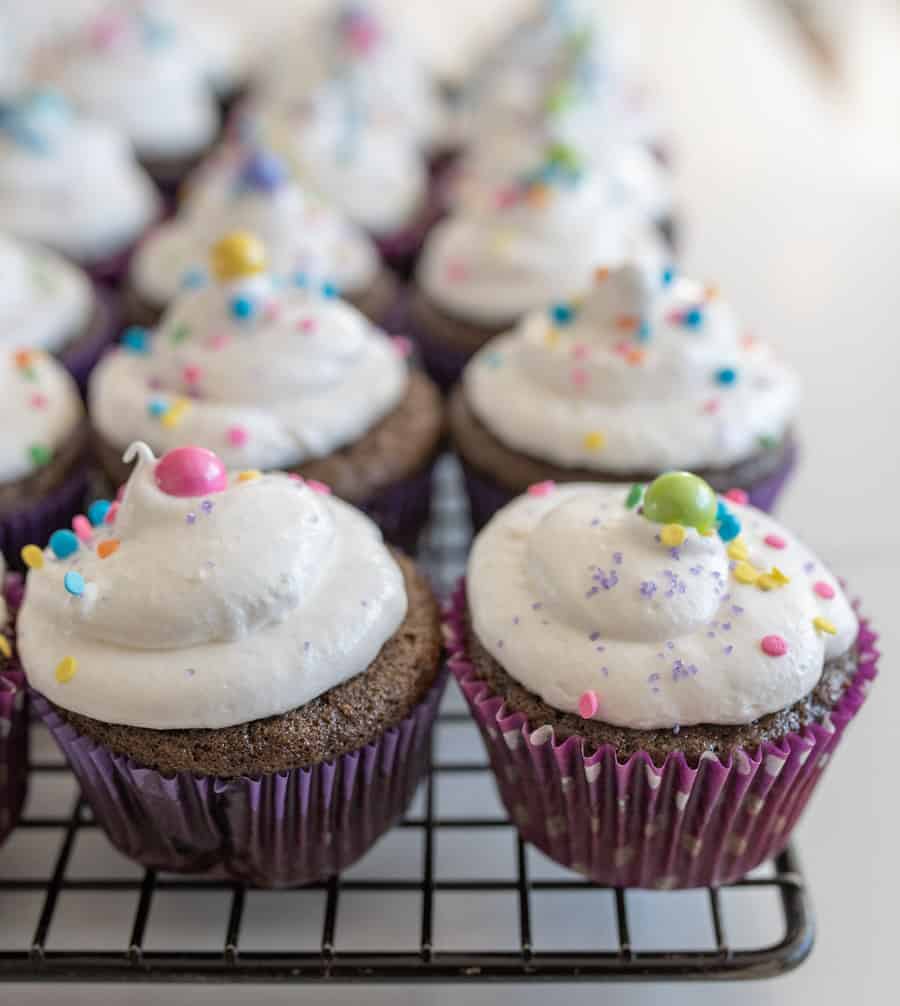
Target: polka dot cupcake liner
(637, 824)
(13, 720)
(277, 830)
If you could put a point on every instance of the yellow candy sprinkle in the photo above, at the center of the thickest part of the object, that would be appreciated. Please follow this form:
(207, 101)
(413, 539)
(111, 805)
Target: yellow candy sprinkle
(766, 582)
(745, 573)
(672, 535)
(779, 577)
(236, 255)
(248, 476)
(5, 648)
(823, 625)
(738, 550)
(66, 669)
(175, 413)
(594, 441)
(551, 336)
(33, 557)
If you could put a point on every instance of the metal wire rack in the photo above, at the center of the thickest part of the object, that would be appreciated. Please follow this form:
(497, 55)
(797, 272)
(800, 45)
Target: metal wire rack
(322, 934)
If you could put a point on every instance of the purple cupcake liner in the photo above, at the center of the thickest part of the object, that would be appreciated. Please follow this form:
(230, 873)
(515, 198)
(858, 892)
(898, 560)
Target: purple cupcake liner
(400, 249)
(278, 830)
(35, 522)
(81, 358)
(403, 509)
(13, 723)
(112, 270)
(486, 497)
(635, 824)
(444, 364)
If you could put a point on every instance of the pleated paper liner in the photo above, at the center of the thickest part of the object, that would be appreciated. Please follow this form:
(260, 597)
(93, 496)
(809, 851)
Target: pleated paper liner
(13, 720)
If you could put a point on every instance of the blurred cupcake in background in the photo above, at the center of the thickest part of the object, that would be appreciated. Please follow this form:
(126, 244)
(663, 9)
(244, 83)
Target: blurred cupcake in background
(640, 374)
(304, 237)
(241, 674)
(72, 184)
(43, 449)
(13, 708)
(276, 372)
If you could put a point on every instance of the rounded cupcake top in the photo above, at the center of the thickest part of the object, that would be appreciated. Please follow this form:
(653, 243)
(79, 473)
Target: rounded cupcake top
(68, 182)
(267, 370)
(710, 612)
(302, 234)
(532, 241)
(40, 409)
(132, 66)
(201, 599)
(644, 371)
(45, 301)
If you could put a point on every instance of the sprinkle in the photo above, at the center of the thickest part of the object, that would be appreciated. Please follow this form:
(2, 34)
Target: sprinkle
(824, 625)
(402, 346)
(773, 646)
(180, 333)
(156, 407)
(766, 582)
(562, 314)
(737, 496)
(668, 274)
(241, 307)
(63, 543)
(5, 648)
(711, 407)
(74, 583)
(97, 512)
(648, 589)
(207, 506)
(775, 541)
(634, 496)
(191, 374)
(306, 325)
(824, 589)
(191, 279)
(38, 400)
(672, 535)
(191, 518)
(726, 375)
(33, 557)
(24, 358)
(82, 528)
(106, 548)
(542, 488)
(136, 339)
(111, 513)
(175, 413)
(328, 290)
(579, 377)
(319, 487)
(779, 577)
(40, 455)
(66, 669)
(737, 550)
(588, 705)
(237, 435)
(692, 318)
(743, 572)
(251, 475)
(729, 527)
(594, 441)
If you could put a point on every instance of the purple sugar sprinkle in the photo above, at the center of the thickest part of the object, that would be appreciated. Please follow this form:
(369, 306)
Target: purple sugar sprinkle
(732, 563)
(595, 522)
(190, 672)
(696, 570)
(726, 626)
(655, 676)
(617, 558)
(601, 649)
(728, 650)
(365, 604)
(592, 591)
(307, 645)
(710, 634)
(679, 671)
(594, 636)
(207, 506)
(648, 589)
(604, 671)
(675, 554)
(536, 606)
(736, 609)
(516, 620)
(606, 580)
(808, 567)
(670, 645)
(499, 644)
(191, 518)
(726, 597)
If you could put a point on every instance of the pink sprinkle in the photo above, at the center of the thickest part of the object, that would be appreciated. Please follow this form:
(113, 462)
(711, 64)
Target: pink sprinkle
(219, 341)
(237, 436)
(111, 513)
(306, 325)
(506, 197)
(542, 488)
(580, 351)
(824, 589)
(457, 272)
(588, 705)
(579, 377)
(737, 496)
(82, 528)
(38, 400)
(120, 492)
(272, 311)
(191, 374)
(294, 477)
(774, 646)
(675, 317)
(319, 487)
(775, 541)
(154, 384)
(622, 347)
(711, 407)
(402, 345)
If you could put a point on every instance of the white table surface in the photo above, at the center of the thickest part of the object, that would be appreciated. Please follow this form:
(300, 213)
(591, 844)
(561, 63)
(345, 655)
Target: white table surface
(792, 195)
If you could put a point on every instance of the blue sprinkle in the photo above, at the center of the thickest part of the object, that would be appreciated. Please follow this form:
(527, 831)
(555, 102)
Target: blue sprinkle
(692, 318)
(722, 511)
(97, 512)
(730, 528)
(643, 332)
(562, 314)
(300, 279)
(136, 339)
(329, 290)
(74, 583)
(191, 279)
(668, 274)
(157, 407)
(242, 307)
(63, 543)
(727, 375)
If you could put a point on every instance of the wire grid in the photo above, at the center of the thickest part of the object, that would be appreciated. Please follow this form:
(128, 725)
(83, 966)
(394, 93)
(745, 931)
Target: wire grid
(422, 959)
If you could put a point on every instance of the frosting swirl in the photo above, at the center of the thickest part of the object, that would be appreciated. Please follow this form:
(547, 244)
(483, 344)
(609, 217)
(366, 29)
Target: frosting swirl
(243, 601)
(68, 182)
(267, 371)
(574, 593)
(638, 374)
(45, 301)
(40, 408)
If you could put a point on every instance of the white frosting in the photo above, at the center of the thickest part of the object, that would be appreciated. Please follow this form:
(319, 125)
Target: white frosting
(301, 233)
(39, 408)
(45, 301)
(306, 375)
(571, 593)
(627, 368)
(69, 182)
(208, 616)
(133, 67)
(494, 261)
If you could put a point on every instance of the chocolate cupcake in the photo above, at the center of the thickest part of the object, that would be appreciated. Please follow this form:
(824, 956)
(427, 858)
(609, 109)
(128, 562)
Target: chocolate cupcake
(13, 710)
(71, 184)
(304, 237)
(43, 449)
(643, 373)
(273, 373)
(659, 677)
(263, 712)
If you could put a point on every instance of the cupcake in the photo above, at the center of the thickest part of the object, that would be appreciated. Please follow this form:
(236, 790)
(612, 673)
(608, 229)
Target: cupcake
(641, 374)
(271, 372)
(131, 66)
(531, 242)
(241, 674)
(13, 711)
(303, 235)
(43, 448)
(51, 305)
(72, 184)
(659, 677)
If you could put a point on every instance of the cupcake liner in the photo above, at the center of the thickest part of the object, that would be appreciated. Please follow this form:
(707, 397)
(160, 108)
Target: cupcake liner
(486, 497)
(634, 824)
(400, 249)
(81, 357)
(13, 725)
(444, 363)
(276, 830)
(402, 509)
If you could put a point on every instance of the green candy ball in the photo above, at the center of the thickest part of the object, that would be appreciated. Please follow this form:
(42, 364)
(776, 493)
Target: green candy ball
(681, 498)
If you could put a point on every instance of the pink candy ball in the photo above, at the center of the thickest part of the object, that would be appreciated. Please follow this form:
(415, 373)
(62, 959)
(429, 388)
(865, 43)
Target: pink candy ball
(190, 471)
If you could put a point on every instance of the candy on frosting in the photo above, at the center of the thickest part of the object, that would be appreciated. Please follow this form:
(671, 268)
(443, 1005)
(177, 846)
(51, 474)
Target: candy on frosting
(302, 233)
(45, 301)
(265, 370)
(40, 409)
(638, 359)
(213, 610)
(69, 182)
(573, 592)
